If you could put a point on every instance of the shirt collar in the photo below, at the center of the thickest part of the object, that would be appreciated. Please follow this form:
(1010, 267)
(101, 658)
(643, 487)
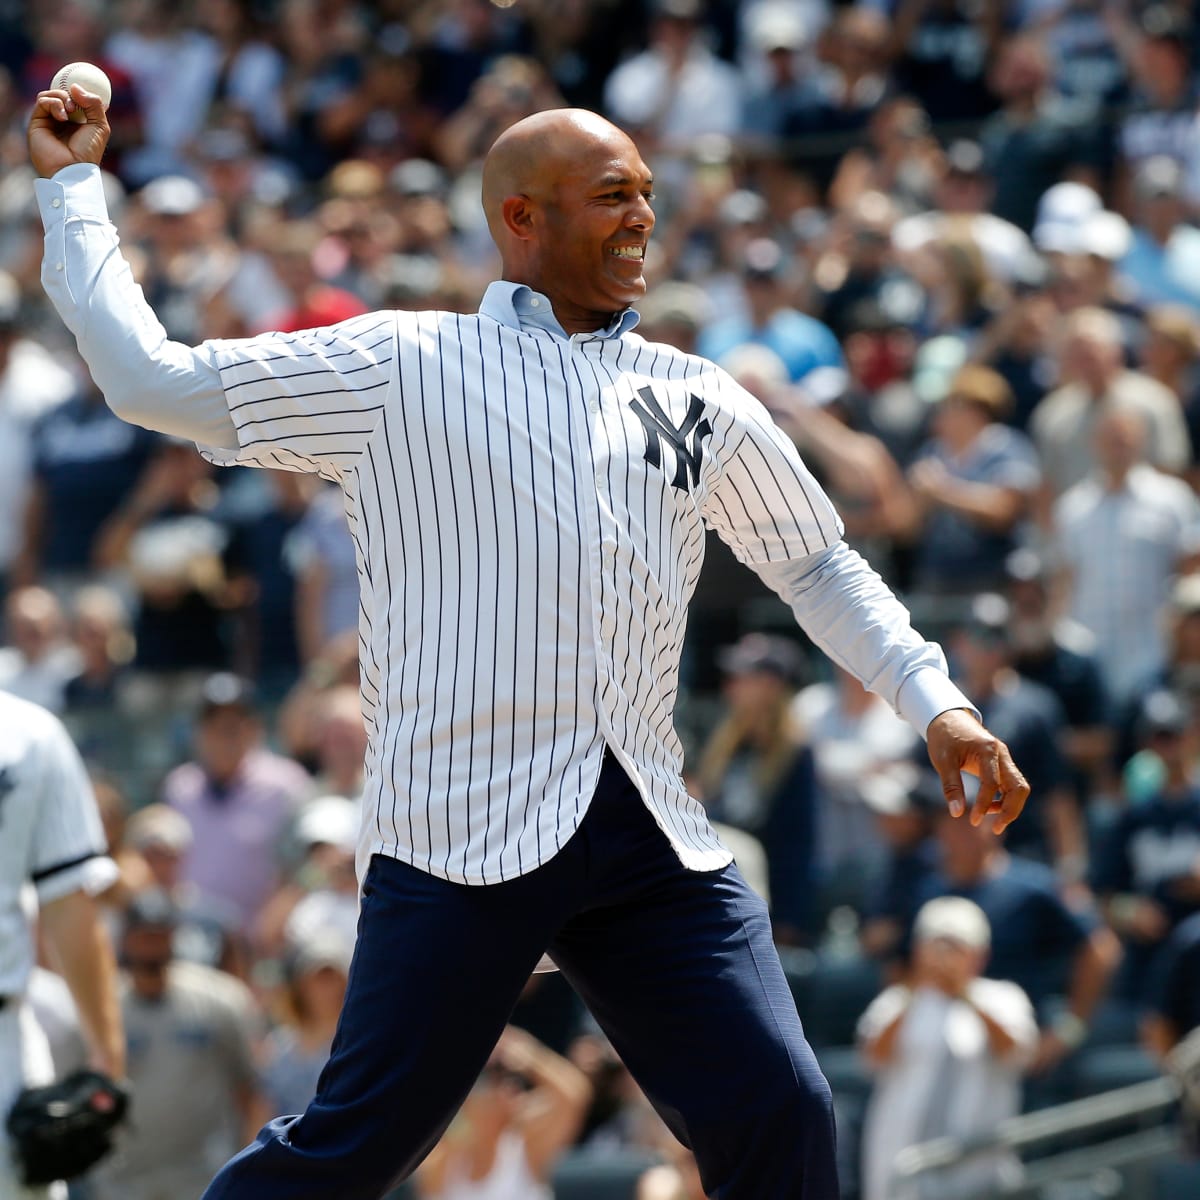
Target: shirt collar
(519, 307)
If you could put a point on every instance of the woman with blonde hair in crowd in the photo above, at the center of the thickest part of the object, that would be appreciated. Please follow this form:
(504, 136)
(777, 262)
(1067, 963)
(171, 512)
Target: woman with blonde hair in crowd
(756, 773)
(523, 1112)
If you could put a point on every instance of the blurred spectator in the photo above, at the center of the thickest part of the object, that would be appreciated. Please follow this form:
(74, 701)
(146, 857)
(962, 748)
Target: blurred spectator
(38, 660)
(1034, 724)
(948, 1050)
(190, 1031)
(85, 460)
(206, 930)
(904, 801)
(104, 642)
(1123, 533)
(292, 250)
(1088, 65)
(973, 485)
(1147, 871)
(511, 88)
(1173, 1003)
(1094, 378)
(856, 738)
(1162, 118)
(466, 38)
(1162, 262)
(323, 45)
(238, 798)
(1037, 137)
(804, 344)
(248, 82)
(168, 536)
(296, 1050)
(850, 84)
(756, 774)
(262, 582)
(1060, 654)
(320, 553)
(961, 198)
(31, 384)
(523, 1112)
(901, 158)
(1169, 354)
(341, 743)
(162, 51)
(1050, 947)
(320, 895)
(676, 88)
(942, 49)
(864, 267)
(1017, 342)
(778, 81)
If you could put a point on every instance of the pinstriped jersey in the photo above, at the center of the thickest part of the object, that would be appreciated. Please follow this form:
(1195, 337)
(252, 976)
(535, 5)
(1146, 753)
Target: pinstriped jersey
(50, 831)
(529, 512)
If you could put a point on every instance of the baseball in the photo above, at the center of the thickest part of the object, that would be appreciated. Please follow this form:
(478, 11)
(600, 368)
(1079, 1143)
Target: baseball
(89, 77)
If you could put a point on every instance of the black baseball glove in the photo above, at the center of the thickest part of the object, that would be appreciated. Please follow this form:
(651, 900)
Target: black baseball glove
(61, 1130)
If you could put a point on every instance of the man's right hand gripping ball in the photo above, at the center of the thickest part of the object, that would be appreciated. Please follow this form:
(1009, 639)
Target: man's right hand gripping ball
(55, 141)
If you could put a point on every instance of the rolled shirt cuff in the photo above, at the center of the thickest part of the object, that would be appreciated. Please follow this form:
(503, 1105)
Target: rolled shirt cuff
(927, 693)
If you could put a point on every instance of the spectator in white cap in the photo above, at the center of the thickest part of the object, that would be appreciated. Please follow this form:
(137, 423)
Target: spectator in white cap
(948, 1050)
(321, 891)
(310, 1000)
(1061, 211)
(1162, 263)
(206, 931)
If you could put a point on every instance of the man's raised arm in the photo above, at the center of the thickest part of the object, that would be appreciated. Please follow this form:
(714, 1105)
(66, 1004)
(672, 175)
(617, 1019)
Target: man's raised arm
(145, 377)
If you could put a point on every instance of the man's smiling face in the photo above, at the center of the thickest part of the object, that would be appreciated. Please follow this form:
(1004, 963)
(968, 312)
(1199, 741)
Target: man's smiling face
(594, 224)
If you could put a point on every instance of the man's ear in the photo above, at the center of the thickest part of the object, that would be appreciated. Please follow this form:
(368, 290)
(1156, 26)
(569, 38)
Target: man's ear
(517, 213)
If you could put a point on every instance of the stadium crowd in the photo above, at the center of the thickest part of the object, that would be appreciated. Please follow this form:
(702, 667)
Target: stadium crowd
(952, 245)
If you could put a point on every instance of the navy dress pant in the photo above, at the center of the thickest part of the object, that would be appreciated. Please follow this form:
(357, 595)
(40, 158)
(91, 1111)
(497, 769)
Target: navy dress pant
(677, 966)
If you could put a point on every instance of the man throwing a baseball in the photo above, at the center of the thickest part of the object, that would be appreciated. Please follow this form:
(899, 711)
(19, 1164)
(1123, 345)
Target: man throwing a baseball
(529, 487)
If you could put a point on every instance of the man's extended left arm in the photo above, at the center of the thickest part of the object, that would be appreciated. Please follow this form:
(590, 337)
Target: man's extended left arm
(765, 503)
(852, 615)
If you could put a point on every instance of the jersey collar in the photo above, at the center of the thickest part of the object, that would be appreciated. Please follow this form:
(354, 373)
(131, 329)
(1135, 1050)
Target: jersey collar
(519, 307)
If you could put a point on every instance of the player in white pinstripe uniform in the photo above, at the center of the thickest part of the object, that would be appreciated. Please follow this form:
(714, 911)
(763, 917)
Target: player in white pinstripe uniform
(51, 840)
(529, 489)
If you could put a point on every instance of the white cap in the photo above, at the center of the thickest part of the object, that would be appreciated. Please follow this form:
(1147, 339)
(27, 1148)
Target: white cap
(1106, 235)
(776, 26)
(331, 820)
(1061, 213)
(956, 919)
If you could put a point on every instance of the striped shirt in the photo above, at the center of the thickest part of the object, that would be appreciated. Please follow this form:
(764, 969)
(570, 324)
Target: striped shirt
(529, 513)
(50, 831)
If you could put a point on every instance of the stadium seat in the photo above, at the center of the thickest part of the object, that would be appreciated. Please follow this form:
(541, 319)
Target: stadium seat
(837, 993)
(600, 1175)
(1103, 1068)
(1177, 1181)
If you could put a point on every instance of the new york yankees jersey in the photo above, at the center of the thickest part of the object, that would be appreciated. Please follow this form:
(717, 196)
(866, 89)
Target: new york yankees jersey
(50, 831)
(529, 512)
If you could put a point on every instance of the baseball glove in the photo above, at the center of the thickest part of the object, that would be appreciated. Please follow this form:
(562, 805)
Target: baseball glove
(61, 1130)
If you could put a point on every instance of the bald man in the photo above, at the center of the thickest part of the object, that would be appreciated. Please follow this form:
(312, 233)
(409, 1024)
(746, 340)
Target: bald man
(529, 488)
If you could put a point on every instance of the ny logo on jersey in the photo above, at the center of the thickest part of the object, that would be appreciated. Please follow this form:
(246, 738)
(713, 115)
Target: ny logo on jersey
(659, 428)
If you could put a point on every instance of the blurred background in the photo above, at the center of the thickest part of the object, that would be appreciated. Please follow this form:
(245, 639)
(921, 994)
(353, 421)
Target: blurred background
(953, 246)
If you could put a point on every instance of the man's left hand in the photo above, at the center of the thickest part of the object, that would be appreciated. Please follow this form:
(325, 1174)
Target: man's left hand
(958, 742)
